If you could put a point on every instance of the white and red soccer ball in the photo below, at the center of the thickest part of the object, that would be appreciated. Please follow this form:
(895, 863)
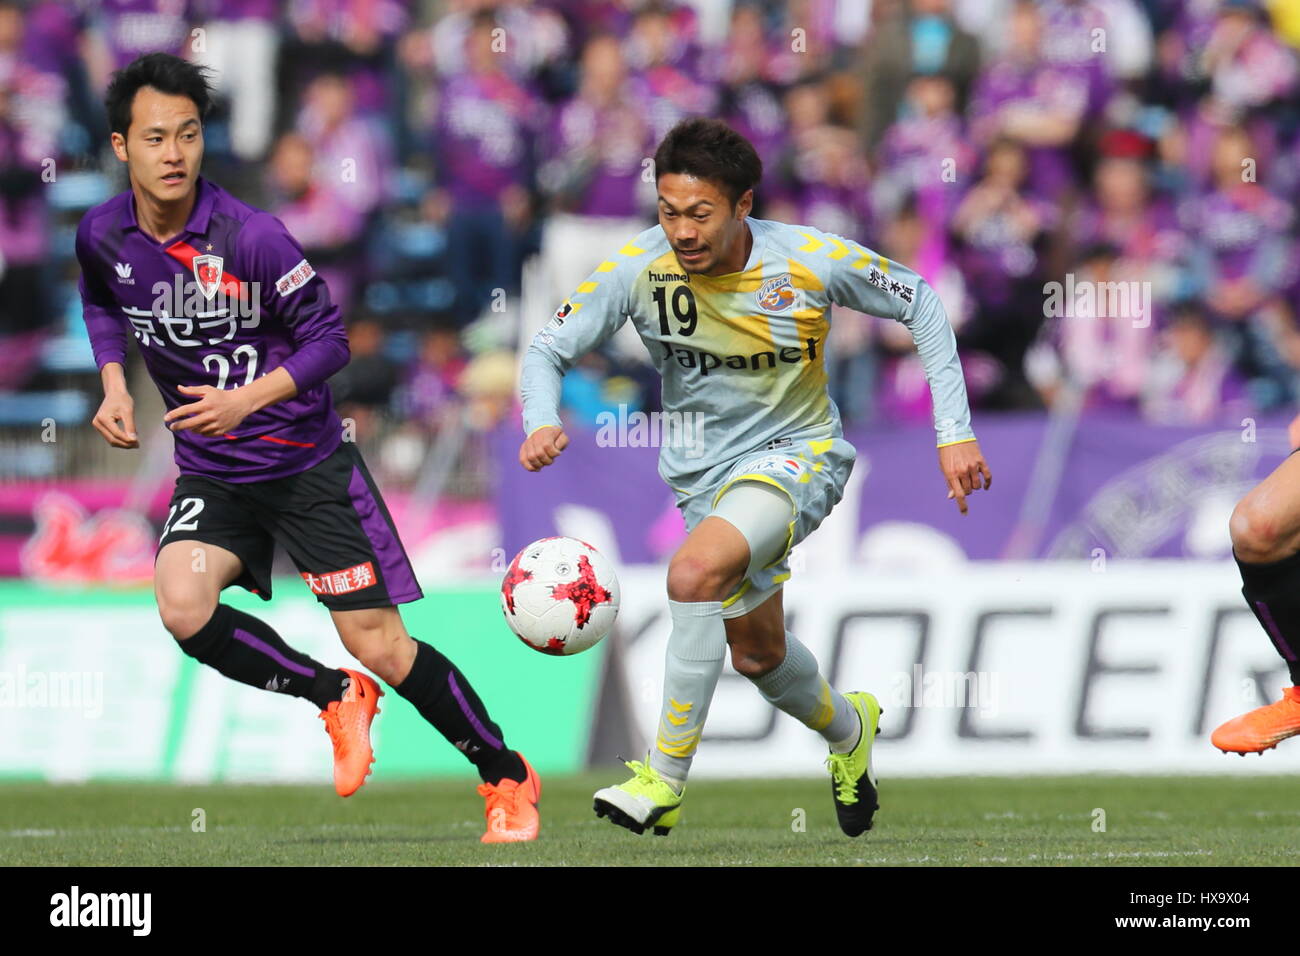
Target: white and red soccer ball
(560, 596)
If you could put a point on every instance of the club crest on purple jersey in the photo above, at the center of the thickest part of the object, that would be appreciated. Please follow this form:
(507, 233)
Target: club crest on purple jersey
(207, 272)
(777, 293)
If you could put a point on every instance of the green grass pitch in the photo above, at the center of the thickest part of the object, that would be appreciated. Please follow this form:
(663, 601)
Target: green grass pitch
(1051, 821)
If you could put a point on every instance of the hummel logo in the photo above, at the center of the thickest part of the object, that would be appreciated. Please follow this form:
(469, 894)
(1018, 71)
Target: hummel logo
(277, 685)
(124, 273)
(466, 747)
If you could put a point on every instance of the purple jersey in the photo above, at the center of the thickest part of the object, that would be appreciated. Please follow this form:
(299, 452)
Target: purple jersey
(1069, 32)
(754, 111)
(29, 131)
(230, 298)
(1150, 234)
(1243, 230)
(52, 35)
(611, 140)
(232, 10)
(669, 95)
(998, 250)
(135, 27)
(929, 156)
(484, 137)
(1054, 91)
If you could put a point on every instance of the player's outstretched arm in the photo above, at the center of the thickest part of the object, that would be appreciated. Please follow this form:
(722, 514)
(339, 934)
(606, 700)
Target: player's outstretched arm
(115, 419)
(869, 283)
(542, 447)
(964, 470)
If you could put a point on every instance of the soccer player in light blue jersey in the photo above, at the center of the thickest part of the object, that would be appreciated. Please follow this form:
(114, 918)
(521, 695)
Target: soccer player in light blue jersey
(734, 313)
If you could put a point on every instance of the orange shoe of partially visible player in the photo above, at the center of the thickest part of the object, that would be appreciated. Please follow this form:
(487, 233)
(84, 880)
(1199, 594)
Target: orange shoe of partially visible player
(511, 810)
(1263, 728)
(348, 722)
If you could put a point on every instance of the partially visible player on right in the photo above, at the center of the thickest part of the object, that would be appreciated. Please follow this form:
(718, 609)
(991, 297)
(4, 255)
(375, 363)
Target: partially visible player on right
(1265, 530)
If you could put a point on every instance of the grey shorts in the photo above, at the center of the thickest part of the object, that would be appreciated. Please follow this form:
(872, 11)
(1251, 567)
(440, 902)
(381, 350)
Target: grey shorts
(812, 474)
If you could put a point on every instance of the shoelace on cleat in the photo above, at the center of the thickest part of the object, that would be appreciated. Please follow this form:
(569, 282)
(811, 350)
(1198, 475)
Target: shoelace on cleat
(334, 727)
(499, 797)
(845, 790)
(644, 775)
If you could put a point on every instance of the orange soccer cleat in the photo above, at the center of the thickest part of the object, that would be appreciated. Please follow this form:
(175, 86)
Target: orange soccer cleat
(348, 722)
(1263, 728)
(511, 810)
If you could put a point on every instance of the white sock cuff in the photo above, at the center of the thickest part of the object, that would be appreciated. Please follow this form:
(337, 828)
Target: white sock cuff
(698, 631)
(683, 610)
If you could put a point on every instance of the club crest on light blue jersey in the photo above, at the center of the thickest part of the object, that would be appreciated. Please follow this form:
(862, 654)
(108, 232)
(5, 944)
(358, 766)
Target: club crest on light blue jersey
(777, 293)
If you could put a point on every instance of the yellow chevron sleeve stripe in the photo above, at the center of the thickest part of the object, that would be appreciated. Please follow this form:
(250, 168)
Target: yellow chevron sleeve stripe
(607, 266)
(630, 250)
(813, 243)
(588, 287)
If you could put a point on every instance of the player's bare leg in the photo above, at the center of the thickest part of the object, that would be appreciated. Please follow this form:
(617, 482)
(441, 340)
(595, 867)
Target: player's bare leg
(445, 698)
(1265, 529)
(189, 577)
(379, 640)
(757, 640)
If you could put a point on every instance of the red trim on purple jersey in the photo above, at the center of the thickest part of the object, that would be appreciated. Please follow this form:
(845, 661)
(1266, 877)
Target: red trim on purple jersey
(184, 253)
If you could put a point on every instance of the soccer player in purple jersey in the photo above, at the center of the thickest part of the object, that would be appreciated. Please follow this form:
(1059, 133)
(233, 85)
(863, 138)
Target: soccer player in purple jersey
(239, 334)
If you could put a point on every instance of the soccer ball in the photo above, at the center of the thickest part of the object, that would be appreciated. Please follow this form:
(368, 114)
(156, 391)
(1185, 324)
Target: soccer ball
(560, 596)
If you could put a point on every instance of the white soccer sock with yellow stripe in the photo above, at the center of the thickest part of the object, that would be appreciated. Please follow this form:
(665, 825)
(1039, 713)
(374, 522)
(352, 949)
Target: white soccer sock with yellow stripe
(798, 688)
(696, 649)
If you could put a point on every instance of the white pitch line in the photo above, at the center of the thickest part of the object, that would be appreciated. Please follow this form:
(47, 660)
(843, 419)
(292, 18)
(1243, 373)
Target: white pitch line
(1111, 855)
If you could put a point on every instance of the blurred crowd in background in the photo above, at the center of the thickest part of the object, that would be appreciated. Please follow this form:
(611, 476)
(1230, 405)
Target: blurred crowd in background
(455, 168)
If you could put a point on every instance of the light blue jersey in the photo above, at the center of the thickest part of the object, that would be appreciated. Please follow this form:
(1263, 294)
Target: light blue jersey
(743, 356)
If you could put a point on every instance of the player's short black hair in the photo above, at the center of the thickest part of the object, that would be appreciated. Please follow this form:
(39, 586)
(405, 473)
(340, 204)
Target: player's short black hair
(166, 74)
(710, 149)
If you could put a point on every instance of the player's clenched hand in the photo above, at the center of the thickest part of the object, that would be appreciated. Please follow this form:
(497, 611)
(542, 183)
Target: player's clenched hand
(964, 469)
(542, 447)
(216, 412)
(116, 408)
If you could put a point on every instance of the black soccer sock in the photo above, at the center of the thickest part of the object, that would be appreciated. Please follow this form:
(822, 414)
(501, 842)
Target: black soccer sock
(1273, 592)
(445, 699)
(249, 650)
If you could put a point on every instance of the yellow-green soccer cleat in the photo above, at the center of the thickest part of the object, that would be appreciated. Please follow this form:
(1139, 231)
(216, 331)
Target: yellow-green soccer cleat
(853, 782)
(644, 801)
